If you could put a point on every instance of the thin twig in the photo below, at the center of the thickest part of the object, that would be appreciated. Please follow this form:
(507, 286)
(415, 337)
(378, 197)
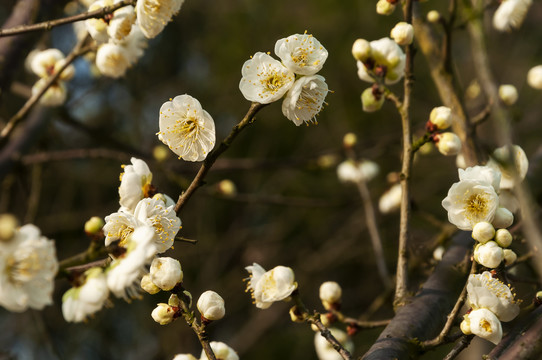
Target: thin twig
(48, 25)
(401, 285)
(10, 126)
(443, 336)
(213, 155)
(460, 346)
(360, 324)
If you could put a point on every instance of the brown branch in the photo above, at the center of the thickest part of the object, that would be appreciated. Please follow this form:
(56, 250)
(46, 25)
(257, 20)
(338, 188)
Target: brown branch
(425, 315)
(213, 155)
(401, 285)
(460, 346)
(48, 25)
(360, 324)
(10, 126)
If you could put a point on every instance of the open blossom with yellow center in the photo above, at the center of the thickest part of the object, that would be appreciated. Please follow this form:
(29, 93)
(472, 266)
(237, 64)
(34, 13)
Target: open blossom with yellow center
(265, 79)
(28, 266)
(135, 184)
(474, 198)
(482, 323)
(484, 291)
(305, 99)
(186, 128)
(303, 54)
(153, 15)
(267, 287)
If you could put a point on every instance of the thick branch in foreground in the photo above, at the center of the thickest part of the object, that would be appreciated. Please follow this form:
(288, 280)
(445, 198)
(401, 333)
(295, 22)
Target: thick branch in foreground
(523, 341)
(213, 155)
(424, 317)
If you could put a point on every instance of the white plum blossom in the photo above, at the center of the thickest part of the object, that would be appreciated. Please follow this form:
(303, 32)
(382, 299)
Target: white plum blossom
(384, 7)
(441, 117)
(534, 77)
(390, 201)
(81, 301)
(267, 287)
(352, 171)
(47, 62)
(153, 15)
(187, 129)
(305, 99)
(147, 285)
(28, 266)
(55, 95)
(474, 198)
(113, 60)
(97, 27)
(484, 291)
(211, 305)
(483, 232)
(510, 14)
(184, 357)
(301, 53)
(500, 161)
(387, 60)
(482, 323)
(510, 257)
(164, 314)
(265, 79)
(166, 272)
(508, 94)
(402, 33)
(126, 270)
(489, 254)
(221, 351)
(503, 238)
(448, 143)
(330, 293)
(503, 217)
(163, 219)
(121, 24)
(135, 183)
(325, 351)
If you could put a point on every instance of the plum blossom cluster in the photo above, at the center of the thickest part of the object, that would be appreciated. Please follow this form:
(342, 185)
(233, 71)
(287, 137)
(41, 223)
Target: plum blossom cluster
(265, 80)
(28, 266)
(267, 287)
(122, 35)
(45, 64)
(447, 143)
(491, 301)
(381, 62)
(145, 224)
(187, 129)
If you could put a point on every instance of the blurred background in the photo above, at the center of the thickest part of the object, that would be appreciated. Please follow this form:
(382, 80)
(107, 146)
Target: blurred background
(290, 208)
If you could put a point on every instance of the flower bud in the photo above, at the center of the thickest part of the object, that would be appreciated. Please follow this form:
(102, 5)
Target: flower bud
(164, 314)
(534, 77)
(448, 143)
(465, 326)
(489, 254)
(184, 357)
(441, 117)
(438, 253)
(503, 238)
(508, 94)
(227, 188)
(94, 225)
(391, 199)
(330, 294)
(383, 7)
(433, 16)
(148, 285)
(402, 33)
(483, 232)
(211, 306)
(166, 272)
(370, 102)
(361, 50)
(349, 140)
(503, 218)
(8, 226)
(510, 257)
